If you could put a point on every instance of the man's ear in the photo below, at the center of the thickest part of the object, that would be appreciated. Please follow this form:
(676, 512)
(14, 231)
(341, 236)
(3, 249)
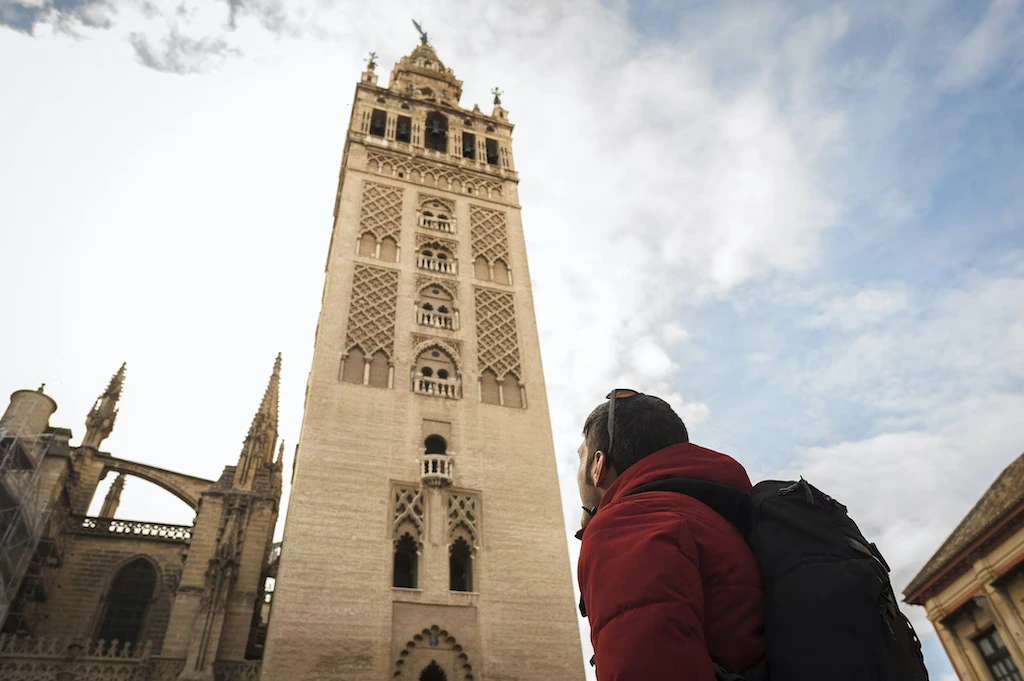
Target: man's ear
(599, 469)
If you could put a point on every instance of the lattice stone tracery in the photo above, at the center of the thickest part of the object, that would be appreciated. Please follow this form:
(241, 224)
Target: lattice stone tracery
(409, 508)
(497, 341)
(381, 210)
(371, 317)
(489, 234)
(417, 170)
(463, 517)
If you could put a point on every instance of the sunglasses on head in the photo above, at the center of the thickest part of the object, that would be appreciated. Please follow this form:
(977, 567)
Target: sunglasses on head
(617, 394)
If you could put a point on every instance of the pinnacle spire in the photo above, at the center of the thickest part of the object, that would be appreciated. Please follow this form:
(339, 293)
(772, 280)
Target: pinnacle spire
(99, 422)
(258, 449)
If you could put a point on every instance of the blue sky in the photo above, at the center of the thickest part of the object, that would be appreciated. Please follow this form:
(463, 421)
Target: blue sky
(801, 222)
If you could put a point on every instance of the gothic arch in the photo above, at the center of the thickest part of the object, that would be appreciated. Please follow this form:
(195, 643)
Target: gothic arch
(443, 346)
(447, 286)
(102, 608)
(438, 639)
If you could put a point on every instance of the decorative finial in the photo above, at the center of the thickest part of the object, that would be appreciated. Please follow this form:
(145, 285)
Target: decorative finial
(371, 62)
(423, 34)
(280, 453)
(42, 387)
(497, 96)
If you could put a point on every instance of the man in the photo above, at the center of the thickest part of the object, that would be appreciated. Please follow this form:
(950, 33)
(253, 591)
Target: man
(670, 587)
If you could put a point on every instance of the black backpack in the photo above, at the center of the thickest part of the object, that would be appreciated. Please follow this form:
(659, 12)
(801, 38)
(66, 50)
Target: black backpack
(829, 609)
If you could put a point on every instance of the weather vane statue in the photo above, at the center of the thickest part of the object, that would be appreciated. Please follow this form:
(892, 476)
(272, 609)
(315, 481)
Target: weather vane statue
(371, 62)
(423, 34)
(497, 96)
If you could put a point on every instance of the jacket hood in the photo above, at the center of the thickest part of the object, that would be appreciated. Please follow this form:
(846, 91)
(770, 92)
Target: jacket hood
(685, 460)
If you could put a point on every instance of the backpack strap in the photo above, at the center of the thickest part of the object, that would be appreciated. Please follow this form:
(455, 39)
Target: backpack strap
(731, 504)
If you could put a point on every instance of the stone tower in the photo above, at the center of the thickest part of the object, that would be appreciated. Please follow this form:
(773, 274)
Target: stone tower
(424, 538)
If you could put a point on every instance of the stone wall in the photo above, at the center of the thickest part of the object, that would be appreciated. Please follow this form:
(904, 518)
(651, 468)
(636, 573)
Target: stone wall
(75, 604)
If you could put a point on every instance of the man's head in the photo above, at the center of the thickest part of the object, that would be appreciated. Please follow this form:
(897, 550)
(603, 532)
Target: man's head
(643, 425)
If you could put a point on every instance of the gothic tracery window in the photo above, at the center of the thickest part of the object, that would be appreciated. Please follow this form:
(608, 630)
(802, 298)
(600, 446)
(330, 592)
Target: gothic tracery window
(127, 601)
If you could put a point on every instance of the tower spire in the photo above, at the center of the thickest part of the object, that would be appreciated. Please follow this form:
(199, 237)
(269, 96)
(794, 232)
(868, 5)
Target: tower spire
(100, 421)
(113, 498)
(258, 448)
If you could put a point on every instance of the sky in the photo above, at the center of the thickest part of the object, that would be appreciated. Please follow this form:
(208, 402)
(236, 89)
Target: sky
(800, 222)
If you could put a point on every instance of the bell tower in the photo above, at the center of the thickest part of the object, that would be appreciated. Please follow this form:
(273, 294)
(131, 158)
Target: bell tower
(424, 537)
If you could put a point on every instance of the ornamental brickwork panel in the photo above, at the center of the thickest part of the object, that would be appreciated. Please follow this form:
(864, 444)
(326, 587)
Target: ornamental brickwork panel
(497, 342)
(463, 517)
(431, 174)
(408, 510)
(489, 234)
(371, 317)
(381, 210)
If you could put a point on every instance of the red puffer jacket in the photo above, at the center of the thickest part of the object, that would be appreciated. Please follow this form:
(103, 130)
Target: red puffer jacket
(668, 584)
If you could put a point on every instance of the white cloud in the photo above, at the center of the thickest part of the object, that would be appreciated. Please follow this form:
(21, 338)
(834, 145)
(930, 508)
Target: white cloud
(867, 307)
(984, 47)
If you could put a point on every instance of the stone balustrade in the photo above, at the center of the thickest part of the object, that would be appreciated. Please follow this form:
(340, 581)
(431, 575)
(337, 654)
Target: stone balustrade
(439, 387)
(55, 659)
(134, 528)
(437, 224)
(438, 320)
(435, 264)
(437, 470)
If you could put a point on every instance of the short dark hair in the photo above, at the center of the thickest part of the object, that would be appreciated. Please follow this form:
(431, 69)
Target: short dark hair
(644, 424)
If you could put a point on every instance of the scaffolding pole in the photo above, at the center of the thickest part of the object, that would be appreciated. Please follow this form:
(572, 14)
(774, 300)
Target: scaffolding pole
(24, 511)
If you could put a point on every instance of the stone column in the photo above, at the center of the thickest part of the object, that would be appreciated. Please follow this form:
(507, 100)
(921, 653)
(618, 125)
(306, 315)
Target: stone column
(1006, 617)
(953, 645)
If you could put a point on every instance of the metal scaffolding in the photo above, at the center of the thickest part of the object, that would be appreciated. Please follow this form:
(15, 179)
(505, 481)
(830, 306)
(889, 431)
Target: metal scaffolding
(24, 511)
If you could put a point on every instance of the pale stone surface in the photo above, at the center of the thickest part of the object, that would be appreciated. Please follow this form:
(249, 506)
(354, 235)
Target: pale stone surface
(335, 614)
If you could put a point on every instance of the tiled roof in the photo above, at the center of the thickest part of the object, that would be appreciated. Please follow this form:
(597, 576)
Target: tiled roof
(1004, 496)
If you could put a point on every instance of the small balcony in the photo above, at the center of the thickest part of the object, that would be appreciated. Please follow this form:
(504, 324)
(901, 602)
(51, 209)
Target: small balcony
(435, 263)
(438, 387)
(437, 470)
(438, 320)
(437, 223)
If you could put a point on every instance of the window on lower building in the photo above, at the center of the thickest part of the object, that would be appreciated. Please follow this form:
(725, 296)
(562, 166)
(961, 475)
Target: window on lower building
(435, 444)
(460, 566)
(378, 122)
(492, 152)
(997, 657)
(406, 562)
(131, 590)
(354, 367)
(403, 129)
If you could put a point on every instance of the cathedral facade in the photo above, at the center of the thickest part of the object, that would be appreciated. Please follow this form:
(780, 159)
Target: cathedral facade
(91, 598)
(424, 538)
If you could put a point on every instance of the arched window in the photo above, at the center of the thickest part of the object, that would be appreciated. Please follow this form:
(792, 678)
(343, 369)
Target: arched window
(130, 593)
(434, 374)
(500, 272)
(460, 566)
(435, 444)
(481, 268)
(406, 563)
(436, 257)
(388, 250)
(354, 363)
(367, 245)
(489, 387)
(436, 137)
(379, 370)
(511, 391)
(433, 672)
